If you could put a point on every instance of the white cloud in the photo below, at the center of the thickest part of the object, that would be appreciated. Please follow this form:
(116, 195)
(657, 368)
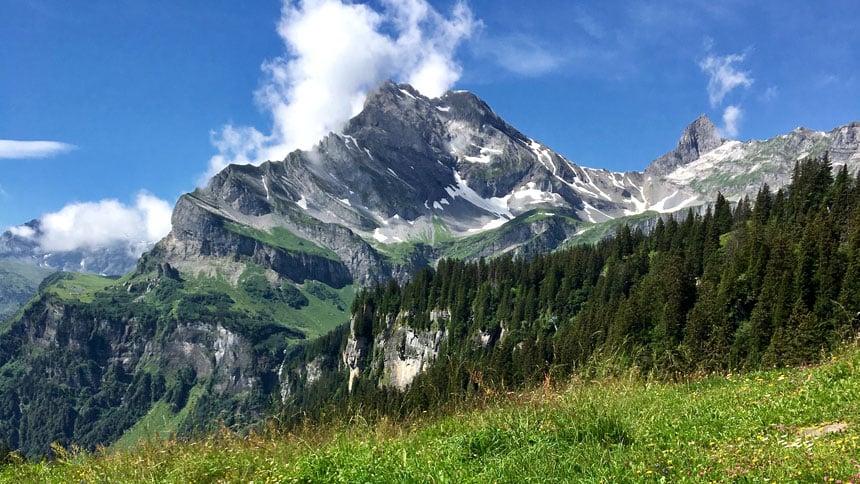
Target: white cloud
(16, 150)
(104, 223)
(731, 119)
(24, 231)
(335, 52)
(723, 77)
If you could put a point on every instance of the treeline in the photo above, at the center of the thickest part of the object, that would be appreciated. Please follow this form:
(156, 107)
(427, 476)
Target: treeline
(765, 282)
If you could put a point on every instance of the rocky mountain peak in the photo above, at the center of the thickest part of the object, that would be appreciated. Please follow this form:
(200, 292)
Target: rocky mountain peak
(698, 138)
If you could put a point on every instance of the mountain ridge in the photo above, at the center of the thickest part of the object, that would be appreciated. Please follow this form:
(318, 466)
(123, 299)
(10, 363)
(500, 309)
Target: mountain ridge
(409, 169)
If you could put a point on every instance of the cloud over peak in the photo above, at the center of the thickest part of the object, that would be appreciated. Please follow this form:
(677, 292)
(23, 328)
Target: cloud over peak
(17, 150)
(335, 51)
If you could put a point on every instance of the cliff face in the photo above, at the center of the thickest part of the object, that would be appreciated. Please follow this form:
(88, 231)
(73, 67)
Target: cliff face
(396, 354)
(203, 240)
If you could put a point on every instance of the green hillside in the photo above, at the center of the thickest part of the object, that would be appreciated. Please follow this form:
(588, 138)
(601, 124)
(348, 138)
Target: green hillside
(789, 425)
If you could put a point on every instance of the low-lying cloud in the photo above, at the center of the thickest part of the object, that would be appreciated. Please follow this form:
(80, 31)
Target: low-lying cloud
(93, 225)
(19, 150)
(335, 52)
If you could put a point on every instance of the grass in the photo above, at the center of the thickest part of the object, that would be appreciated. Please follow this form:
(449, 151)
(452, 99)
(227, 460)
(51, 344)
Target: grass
(284, 239)
(158, 424)
(756, 427)
(79, 287)
(317, 318)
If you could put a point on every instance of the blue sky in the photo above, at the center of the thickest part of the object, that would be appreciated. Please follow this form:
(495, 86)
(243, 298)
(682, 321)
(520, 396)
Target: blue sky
(135, 102)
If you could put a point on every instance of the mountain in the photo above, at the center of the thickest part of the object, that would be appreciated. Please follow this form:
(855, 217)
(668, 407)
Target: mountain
(412, 179)
(215, 322)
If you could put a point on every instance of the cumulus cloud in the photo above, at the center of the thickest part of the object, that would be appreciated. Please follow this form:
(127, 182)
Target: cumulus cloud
(731, 119)
(17, 150)
(723, 76)
(90, 225)
(335, 51)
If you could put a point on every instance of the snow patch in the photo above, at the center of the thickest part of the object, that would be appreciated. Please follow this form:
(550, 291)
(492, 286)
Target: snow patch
(704, 166)
(669, 205)
(379, 236)
(266, 186)
(498, 206)
(543, 155)
(483, 158)
(590, 211)
(438, 206)
(593, 185)
(303, 203)
(493, 224)
(485, 154)
(444, 109)
(345, 201)
(533, 195)
(347, 139)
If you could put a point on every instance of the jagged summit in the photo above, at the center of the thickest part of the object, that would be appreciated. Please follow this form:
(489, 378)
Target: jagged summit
(698, 138)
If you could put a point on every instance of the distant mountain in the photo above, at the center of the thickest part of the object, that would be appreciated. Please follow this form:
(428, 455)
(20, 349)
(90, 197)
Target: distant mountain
(18, 284)
(110, 260)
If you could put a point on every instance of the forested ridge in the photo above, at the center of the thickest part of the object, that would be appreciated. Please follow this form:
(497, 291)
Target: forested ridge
(761, 283)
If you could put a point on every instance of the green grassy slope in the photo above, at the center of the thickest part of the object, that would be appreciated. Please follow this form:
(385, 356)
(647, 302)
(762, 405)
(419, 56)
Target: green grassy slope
(789, 425)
